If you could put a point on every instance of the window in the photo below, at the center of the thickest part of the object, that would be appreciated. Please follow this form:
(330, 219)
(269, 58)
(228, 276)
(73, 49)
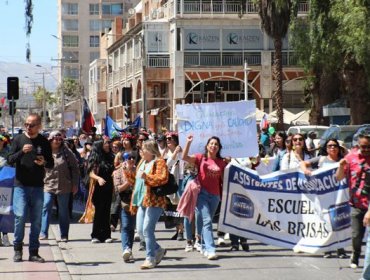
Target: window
(70, 8)
(94, 25)
(70, 25)
(71, 72)
(107, 24)
(71, 57)
(94, 41)
(112, 9)
(70, 41)
(94, 55)
(94, 9)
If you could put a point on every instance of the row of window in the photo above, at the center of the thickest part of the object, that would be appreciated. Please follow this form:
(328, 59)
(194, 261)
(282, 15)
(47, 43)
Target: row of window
(94, 25)
(94, 9)
(72, 41)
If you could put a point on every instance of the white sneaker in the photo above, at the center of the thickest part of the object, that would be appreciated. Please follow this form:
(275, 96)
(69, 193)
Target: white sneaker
(127, 255)
(221, 242)
(189, 247)
(95, 240)
(212, 256)
(108, 240)
(159, 255)
(136, 237)
(353, 265)
(227, 236)
(198, 246)
(5, 240)
(148, 264)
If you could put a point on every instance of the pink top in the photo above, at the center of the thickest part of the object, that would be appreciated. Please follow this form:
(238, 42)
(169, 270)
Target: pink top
(357, 164)
(210, 173)
(188, 200)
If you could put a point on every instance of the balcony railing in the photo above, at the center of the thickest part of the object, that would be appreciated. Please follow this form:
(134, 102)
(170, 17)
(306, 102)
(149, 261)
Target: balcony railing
(222, 7)
(192, 59)
(288, 59)
(158, 61)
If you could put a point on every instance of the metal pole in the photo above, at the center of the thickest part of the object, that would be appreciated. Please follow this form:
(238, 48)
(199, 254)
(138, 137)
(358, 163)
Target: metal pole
(143, 57)
(43, 101)
(12, 115)
(245, 80)
(62, 97)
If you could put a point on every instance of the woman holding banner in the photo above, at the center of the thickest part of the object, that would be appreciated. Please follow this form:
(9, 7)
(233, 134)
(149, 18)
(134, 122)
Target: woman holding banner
(331, 153)
(211, 168)
(299, 153)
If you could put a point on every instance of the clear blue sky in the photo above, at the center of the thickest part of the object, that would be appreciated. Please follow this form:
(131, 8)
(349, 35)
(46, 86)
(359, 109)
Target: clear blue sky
(13, 36)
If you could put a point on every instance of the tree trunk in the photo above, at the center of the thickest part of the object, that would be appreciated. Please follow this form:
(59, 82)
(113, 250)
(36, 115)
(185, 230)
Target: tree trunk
(278, 76)
(357, 90)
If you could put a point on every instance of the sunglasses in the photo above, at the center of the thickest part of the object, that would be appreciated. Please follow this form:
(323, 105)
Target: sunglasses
(169, 138)
(58, 138)
(297, 139)
(31, 125)
(332, 146)
(131, 158)
(365, 147)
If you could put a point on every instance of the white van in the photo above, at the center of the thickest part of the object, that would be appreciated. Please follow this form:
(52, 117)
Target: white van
(304, 129)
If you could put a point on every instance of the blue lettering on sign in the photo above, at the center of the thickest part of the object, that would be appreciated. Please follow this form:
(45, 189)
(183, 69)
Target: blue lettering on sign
(241, 206)
(237, 122)
(197, 125)
(340, 216)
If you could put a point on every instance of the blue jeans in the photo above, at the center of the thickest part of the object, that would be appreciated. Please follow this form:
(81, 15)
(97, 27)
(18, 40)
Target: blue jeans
(27, 200)
(127, 229)
(151, 218)
(207, 206)
(63, 213)
(198, 226)
(366, 270)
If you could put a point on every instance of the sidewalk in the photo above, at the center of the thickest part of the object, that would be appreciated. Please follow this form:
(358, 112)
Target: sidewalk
(79, 259)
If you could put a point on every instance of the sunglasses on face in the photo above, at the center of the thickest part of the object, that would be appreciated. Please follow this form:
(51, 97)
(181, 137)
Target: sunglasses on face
(332, 146)
(169, 138)
(131, 158)
(30, 125)
(57, 138)
(297, 139)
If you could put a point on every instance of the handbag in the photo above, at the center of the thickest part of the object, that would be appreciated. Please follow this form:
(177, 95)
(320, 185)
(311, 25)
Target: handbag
(168, 188)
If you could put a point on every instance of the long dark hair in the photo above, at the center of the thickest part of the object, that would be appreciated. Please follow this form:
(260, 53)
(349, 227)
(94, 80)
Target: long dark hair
(218, 155)
(98, 157)
(323, 151)
(304, 149)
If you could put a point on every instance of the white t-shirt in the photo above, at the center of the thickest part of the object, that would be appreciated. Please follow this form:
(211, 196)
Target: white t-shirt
(290, 160)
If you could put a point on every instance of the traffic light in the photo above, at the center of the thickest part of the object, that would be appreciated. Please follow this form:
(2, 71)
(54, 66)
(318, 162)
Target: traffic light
(12, 107)
(203, 91)
(12, 88)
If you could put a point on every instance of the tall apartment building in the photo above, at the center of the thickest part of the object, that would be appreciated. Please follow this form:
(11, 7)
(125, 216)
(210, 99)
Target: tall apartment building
(80, 24)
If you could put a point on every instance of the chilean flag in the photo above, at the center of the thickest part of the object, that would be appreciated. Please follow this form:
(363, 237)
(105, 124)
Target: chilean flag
(87, 118)
(264, 124)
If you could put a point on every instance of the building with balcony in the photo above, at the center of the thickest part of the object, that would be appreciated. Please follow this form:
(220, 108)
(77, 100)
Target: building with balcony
(180, 51)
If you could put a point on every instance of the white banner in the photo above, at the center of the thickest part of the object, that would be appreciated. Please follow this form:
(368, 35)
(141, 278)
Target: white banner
(233, 122)
(287, 209)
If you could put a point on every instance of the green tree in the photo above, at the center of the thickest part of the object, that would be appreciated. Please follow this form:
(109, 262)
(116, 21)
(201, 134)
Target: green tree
(41, 93)
(71, 89)
(275, 17)
(333, 48)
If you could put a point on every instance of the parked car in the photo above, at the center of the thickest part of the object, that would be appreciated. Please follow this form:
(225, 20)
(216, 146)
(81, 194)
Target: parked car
(344, 133)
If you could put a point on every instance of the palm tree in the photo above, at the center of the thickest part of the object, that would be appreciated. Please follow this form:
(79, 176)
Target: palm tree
(275, 19)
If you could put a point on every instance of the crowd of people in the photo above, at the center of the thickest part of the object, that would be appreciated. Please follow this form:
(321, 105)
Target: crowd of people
(120, 175)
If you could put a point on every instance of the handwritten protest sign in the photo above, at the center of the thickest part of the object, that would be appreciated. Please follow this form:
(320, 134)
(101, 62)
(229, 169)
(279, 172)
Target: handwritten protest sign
(287, 209)
(233, 122)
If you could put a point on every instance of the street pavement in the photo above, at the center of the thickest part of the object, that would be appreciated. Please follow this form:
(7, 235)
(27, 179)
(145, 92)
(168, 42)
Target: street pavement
(79, 259)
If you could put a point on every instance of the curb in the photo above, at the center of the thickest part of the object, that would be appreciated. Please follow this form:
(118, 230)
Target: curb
(62, 267)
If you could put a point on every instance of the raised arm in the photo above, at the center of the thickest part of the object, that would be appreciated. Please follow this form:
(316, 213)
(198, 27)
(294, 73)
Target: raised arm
(340, 174)
(185, 154)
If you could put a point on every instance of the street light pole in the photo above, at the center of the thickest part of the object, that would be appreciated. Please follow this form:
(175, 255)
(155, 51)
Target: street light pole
(246, 72)
(43, 97)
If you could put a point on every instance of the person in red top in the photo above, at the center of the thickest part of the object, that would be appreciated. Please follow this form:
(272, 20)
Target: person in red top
(354, 168)
(211, 168)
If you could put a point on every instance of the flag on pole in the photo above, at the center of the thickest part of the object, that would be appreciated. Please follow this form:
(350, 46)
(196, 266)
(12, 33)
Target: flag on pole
(87, 118)
(111, 127)
(264, 124)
